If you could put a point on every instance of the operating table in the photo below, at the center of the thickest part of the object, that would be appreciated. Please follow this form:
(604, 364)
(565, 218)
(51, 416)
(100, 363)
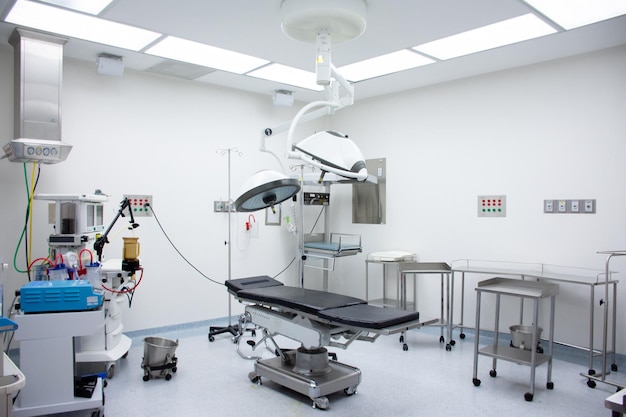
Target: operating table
(315, 319)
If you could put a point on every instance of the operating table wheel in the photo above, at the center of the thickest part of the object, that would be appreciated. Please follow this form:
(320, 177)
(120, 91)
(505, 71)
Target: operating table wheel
(321, 402)
(254, 378)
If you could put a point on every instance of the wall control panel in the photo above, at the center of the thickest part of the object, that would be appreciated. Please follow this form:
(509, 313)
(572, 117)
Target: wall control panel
(139, 204)
(491, 206)
(563, 206)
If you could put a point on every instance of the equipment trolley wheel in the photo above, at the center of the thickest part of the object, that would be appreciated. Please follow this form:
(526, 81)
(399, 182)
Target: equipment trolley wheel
(528, 396)
(614, 367)
(550, 385)
(476, 382)
(462, 335)
(321, 402)
(591, 383)
(448, 347)
(441, 339)
(405, 347)
(211, 338)
(254, 378)
(493, 373)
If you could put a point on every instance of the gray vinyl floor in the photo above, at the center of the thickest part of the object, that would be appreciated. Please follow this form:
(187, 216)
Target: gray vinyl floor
(212, 379)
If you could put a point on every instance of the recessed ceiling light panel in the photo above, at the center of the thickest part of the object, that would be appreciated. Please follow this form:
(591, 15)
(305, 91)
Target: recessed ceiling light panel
(571, 14)
(92, 6)
(205, 55)
(383, 65)
(80, 26)
(287, 75)
(503, 33)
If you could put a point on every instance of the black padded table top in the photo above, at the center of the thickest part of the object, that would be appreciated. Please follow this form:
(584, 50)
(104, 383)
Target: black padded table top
(236, 285)
(337, 308)
(368, 317)
(301, 299)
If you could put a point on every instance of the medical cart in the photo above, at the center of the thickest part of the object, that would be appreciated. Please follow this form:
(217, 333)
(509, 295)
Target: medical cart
(534, 291)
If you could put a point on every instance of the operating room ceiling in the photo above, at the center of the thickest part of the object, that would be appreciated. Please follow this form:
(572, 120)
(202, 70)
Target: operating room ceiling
(253, 27)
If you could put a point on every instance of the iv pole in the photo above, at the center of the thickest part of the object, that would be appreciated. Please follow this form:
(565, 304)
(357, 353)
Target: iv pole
(232, 329)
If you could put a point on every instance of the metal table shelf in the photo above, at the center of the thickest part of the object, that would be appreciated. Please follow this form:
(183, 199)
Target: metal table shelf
(523, 289)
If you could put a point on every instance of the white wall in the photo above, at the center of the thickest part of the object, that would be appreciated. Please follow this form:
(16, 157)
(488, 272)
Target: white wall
(146, 134)
(554, 130)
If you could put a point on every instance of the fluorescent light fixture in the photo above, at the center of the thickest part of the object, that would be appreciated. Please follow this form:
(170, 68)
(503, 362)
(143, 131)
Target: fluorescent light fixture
(571, 14)
(506, 32)
(384, 64)
(205, 55)
(91, 6)
(78, 25)
(287, 75)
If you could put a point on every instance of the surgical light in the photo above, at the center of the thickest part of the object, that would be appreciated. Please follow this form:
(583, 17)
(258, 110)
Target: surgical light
(264, 189)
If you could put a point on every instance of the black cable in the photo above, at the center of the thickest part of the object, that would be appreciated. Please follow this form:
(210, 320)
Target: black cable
(176, 249)
(287, 267)
(318, 218)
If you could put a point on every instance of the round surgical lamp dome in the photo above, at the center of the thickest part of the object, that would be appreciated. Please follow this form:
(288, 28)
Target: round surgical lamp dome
(303, 19)
(266, 189)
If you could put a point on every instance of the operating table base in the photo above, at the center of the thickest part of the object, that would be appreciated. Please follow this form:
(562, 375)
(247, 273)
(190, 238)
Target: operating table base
(339, 377)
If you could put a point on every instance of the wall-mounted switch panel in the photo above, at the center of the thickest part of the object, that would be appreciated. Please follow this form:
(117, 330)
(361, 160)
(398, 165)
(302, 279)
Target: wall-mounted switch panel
(139, 204)
(491, 206)
(222, 206)
(577, 206)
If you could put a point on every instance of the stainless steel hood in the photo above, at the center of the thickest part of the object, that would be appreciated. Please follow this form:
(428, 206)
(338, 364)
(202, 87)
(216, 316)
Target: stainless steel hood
(38, 72)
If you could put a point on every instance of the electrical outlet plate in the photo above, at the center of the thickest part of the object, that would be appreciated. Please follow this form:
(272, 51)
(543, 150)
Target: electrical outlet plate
(491, 206)
(575, 206)
(220, 206)
(139, 204)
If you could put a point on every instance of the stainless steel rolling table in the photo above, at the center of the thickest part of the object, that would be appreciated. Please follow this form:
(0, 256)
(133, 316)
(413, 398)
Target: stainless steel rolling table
(401, 300)
(590, 278)
(523, 289)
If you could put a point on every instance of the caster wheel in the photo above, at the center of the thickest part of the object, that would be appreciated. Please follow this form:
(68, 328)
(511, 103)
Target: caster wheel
(174, 369)
(452, 342)
(550, 385)
(591, 372)
(511, 344)
(462, 335)
(591, 383)
(539, 349)
(493, 373)
(476, 382)
(253, 333)
(441, 339)
(614, 367)
(401, 339)
(528, 396)
(448, 347)
(321, 402)
(168, 377)
(105, 383)
(405, 347)
(146, 377)
(350, 391)
(111, 371)
(211, 339)
(125, 355)
(254, 378)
